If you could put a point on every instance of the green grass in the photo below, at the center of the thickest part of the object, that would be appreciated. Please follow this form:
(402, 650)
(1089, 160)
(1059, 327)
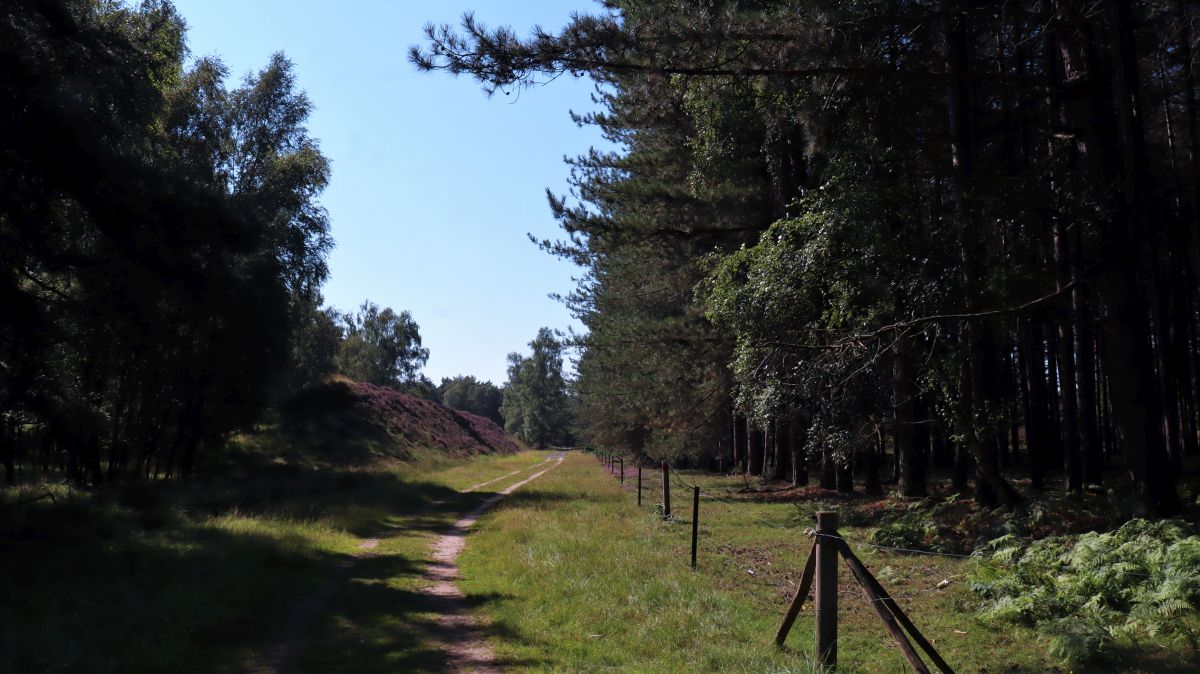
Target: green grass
(579, 579)
(378, 620)
(196, 576)
(567, 572)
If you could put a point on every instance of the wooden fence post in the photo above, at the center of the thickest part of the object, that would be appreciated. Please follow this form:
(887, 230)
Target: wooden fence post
(806, 581)
(666, 490)
(827, 588)
(883, 599)
(639, 485)
(695, 522)
(622, 459)
(864, 579)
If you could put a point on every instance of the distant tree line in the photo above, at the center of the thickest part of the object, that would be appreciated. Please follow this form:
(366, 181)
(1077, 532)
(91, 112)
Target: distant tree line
(381, 347)
(938, 232)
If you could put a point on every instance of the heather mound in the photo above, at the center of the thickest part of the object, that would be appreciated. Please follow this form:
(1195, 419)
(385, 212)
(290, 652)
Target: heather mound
(354, 421)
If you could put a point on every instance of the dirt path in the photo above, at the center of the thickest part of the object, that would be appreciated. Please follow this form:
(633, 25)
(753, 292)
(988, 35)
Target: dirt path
(462, 636)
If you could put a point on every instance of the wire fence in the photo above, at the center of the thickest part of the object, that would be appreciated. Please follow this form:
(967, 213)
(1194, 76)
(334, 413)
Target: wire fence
(679, 479)
(828, 540)
(651, 480)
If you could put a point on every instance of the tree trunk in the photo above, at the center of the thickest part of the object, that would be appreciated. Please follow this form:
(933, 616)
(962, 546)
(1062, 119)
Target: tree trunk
(754, 466)
(958, 66)
(799, 455)
(1093, 460)
(1054, 457)
(1066, 364)
(961, 469)
(871, 465)
(828, 470)
(912, 482)
(845, 477)
(739, 441)
(783, 449)
(8, 447)
(1128, 355)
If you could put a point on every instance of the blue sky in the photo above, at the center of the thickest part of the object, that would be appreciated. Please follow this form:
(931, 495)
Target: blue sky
(434, 185)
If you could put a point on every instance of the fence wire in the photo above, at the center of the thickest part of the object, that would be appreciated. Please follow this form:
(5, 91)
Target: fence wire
(677, 479)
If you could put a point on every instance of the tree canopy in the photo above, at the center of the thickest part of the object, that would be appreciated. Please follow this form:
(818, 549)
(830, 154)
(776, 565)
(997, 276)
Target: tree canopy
(467, 393)
(381, 347)
(161, 232)
(964, 232)
(536, 406)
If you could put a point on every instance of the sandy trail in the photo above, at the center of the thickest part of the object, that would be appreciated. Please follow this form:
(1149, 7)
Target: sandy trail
(462, 636)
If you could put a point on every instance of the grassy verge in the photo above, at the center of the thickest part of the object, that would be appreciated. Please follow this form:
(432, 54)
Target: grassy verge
(193, 577)
(578, 578)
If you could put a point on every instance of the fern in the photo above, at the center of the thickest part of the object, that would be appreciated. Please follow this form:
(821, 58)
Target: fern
(1087, 592)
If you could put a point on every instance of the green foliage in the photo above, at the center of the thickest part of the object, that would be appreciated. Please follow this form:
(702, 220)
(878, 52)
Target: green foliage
(162, 232)
(536, 404)
(316, 343)
(914, 529)
(929, 524)
(464, 392)
(1095, 591)
(381, 347)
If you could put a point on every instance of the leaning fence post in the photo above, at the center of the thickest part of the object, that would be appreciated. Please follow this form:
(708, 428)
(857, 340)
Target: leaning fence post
(827, 595)
(864, 578)
(666, 490)
(695, 521)
(806, 580)
(881, 596)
